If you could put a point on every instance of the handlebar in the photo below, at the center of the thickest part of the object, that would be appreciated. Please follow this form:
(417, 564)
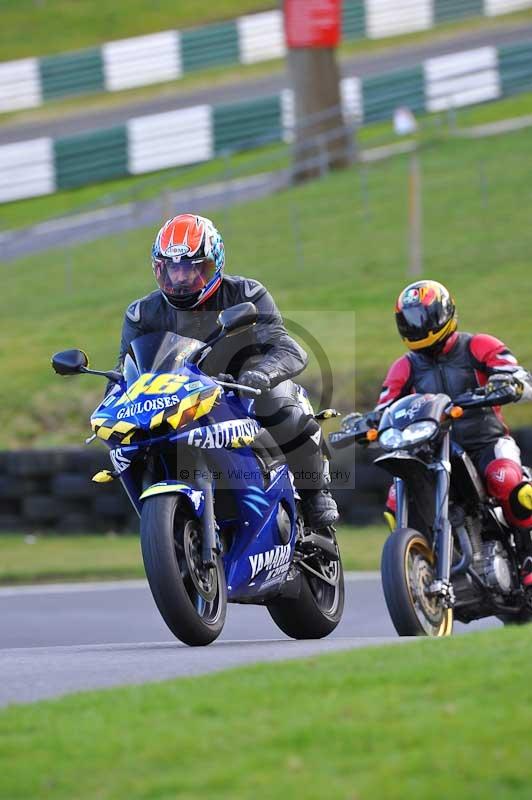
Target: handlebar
(244, 389)
(482, 398)
(356, 431)
(359, 425)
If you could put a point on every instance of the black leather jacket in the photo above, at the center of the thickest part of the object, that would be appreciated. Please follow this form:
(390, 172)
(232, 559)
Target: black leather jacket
(265, 346)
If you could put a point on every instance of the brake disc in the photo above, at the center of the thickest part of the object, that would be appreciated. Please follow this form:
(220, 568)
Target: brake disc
(421, 576)
(205, 579)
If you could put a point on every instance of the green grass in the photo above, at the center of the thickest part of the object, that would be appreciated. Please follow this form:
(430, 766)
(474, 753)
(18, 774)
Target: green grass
(336, 246)
(35, 559)
(429, 719)
(41, 27)
(41, 558)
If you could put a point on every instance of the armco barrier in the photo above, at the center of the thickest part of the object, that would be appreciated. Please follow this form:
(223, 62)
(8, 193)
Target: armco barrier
(51, 491)
(169, 55)
(199, 133)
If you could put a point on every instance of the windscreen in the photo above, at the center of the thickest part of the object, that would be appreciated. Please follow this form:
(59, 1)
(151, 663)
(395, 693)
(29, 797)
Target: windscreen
(158, 352)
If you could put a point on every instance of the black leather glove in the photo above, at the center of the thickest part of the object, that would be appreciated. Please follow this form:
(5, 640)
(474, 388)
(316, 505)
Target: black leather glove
(508, 388)
(373, 418)
(255, 380)
(350, 421)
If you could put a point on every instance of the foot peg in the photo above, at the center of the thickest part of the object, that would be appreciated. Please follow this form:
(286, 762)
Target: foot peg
(316, 541)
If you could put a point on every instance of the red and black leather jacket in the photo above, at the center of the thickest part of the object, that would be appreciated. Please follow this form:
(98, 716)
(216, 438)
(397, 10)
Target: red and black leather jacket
(466, 362)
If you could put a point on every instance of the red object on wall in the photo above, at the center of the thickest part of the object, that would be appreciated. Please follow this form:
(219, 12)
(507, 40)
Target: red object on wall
(312, 23)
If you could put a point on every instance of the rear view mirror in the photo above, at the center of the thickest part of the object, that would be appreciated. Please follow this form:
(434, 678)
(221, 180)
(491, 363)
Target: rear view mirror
(237, 318)
(70, 362)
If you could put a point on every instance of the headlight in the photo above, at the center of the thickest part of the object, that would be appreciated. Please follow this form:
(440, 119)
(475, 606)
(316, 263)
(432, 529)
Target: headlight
(393, 438)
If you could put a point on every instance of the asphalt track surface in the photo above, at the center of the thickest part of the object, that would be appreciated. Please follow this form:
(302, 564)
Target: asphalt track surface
(55, 640)
(365, 65)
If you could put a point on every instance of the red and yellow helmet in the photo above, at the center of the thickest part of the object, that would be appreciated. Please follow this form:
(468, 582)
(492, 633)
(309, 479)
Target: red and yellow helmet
(188, 258)
(425, 314)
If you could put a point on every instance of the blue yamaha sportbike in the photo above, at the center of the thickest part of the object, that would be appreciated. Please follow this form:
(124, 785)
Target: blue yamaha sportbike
(220, 518)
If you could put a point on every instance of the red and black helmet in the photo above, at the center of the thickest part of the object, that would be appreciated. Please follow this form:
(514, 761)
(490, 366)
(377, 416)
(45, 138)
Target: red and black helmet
(188, 260)
(425, 314)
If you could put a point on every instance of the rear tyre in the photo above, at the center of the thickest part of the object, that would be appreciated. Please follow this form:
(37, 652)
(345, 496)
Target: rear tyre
(191, 598)
(523, 618)
(318, 609)
(407, 570)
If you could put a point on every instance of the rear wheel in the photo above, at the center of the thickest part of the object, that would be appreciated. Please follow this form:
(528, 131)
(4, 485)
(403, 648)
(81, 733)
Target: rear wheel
(407, 570)
(191, 598)
(523, 618)
(318, 608)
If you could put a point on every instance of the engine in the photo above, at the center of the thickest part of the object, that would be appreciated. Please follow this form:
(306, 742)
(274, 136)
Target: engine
(493, 565)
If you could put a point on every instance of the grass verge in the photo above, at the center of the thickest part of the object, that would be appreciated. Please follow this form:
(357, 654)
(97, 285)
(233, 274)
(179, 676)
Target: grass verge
(54, 26)
(434, 719)
(43, 559)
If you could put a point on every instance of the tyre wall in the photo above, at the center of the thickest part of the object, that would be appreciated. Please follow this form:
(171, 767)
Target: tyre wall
(51, 490)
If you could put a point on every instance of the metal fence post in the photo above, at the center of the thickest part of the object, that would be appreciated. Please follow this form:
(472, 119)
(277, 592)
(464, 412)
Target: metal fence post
(415, 214)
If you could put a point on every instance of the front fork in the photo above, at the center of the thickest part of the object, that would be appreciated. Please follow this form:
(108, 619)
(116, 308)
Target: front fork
(443, 537)
(208, 539)
(443, 533)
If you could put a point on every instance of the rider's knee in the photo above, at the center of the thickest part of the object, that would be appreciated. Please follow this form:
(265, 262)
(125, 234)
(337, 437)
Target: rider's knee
(502, 476)
(391, 500)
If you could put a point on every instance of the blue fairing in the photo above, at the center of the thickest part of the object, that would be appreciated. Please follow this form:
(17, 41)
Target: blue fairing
(138, 416)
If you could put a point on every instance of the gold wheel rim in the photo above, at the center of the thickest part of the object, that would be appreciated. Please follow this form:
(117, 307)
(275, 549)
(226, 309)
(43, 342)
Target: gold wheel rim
(420, 544)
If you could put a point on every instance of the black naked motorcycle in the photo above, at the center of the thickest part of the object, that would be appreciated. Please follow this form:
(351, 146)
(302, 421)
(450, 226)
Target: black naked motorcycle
(451, 554)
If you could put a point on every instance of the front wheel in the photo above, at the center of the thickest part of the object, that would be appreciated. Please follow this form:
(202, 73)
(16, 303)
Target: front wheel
(318, 608)
(191, 598)
(407, 571)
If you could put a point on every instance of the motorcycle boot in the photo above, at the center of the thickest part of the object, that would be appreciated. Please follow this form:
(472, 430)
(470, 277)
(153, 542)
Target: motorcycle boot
(310, 469)
(319, 508)
(524, 496)
(520, 505)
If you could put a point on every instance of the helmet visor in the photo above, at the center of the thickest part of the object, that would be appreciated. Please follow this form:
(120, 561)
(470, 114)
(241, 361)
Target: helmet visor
(180, 277)
(416, 322)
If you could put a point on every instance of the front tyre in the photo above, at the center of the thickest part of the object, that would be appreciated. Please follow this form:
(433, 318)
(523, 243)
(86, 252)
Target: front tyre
(407, 571)
(191, 598)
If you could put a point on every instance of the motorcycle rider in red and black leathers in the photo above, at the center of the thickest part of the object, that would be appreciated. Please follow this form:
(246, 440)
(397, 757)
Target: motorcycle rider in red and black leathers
(188, 260)
(441, 359)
